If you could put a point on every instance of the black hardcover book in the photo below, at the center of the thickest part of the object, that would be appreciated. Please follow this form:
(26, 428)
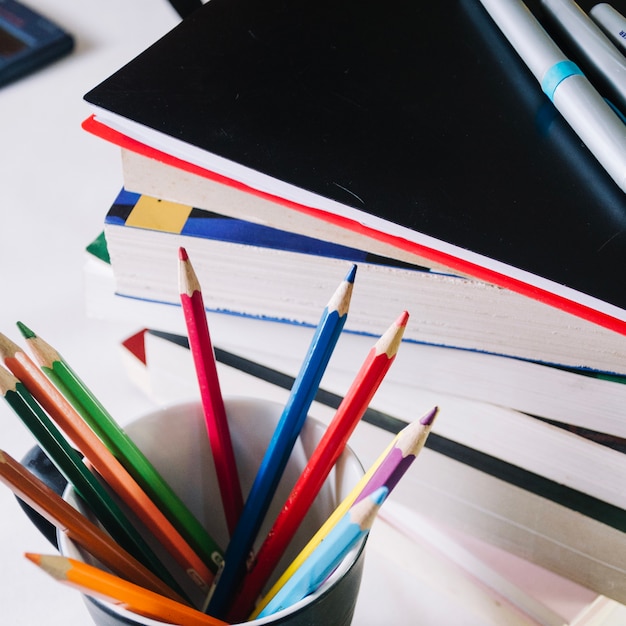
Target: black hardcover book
(419, 113)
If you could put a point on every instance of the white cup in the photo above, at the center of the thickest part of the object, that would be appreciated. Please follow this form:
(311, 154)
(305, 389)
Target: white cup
(175, 440)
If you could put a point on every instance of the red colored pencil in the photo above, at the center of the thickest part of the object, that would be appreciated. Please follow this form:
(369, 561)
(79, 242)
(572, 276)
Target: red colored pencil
(210, 392)
(323, 459)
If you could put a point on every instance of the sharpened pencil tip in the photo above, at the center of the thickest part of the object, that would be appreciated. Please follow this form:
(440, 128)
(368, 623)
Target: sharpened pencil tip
(379, 496)
(429, 418)
(351, 274)
(35, 558)
(27, 333)
(403, 319)
(182, 254)
(8, 348)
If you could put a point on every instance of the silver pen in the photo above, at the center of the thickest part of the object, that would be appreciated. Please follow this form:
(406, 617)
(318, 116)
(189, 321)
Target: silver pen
(590, 42)
(584, 109)
(611, 21)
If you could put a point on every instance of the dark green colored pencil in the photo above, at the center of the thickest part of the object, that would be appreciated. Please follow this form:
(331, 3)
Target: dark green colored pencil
(70, 464)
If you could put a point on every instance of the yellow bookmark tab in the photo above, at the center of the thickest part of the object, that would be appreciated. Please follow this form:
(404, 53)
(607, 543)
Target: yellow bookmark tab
(154, 214)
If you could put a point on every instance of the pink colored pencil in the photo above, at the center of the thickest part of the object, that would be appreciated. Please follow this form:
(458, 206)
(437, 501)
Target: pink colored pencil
(210, 392)
(323, 459)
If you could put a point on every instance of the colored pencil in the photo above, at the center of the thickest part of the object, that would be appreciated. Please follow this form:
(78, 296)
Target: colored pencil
(99, 584)
(281, 444)
(323, 459)
(98, 455)
(210, 393)
(352, 527)
(70, 465)
(405, 450)
(423, 426)
(122, 447)
(50, 505)
(317, 538)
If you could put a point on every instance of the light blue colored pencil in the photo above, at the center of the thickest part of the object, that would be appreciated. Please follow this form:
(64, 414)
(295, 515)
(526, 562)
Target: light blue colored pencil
(284, 438)
(323, 561)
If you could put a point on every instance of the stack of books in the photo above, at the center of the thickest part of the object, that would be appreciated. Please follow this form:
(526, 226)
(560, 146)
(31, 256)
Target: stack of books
(280, 144)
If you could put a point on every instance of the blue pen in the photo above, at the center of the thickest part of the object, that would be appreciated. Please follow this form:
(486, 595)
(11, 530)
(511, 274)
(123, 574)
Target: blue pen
(284, 438)
(323, 561)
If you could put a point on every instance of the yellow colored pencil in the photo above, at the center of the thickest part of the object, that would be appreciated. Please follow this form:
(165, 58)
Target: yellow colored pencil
(330, 522)
(383, 472)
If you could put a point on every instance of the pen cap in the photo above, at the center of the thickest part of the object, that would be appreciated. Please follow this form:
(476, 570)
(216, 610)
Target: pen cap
(175, 441)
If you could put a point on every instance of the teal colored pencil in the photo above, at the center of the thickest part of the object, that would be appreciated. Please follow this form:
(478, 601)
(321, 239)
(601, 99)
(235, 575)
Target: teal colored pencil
(323, 561)
(123, 448)
(275, 459)
(71, 466)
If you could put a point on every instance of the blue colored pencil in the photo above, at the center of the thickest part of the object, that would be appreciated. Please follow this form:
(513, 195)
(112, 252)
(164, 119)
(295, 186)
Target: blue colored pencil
(323, 561)
(284, 438)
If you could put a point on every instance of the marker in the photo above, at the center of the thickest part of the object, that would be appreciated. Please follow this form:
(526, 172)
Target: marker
(590, 42)
(584, 109)
(612, 22)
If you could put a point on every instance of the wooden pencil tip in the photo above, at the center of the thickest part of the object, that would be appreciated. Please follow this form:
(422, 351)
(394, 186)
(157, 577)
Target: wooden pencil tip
(351, 274)
(8, 382)
(429, 418)
(182, 254)
(379, 496)
(56, 565)
(8, 348)
(27, 333)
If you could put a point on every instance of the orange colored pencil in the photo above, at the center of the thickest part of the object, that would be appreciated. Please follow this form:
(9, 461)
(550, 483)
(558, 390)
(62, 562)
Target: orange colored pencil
(323, 459)
(77, 527)
(96, 583)
(99, 456)
(210, 393)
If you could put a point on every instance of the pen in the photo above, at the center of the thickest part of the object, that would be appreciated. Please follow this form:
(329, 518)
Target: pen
(593, 120)
(590, 42)
(611, 21)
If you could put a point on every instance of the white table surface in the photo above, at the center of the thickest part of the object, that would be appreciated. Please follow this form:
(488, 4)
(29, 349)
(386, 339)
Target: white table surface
(56, 182)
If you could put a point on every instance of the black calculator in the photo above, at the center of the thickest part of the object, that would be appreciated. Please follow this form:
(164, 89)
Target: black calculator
(28, 40)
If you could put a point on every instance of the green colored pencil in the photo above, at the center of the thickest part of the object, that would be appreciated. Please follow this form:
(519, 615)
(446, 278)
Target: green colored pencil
(71, 466)
(123, 448)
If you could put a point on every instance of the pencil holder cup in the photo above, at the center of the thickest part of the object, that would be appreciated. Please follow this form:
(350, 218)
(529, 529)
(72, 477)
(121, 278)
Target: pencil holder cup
(175, 441)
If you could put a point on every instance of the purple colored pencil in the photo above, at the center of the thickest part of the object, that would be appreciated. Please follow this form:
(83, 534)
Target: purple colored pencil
(407, 446)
